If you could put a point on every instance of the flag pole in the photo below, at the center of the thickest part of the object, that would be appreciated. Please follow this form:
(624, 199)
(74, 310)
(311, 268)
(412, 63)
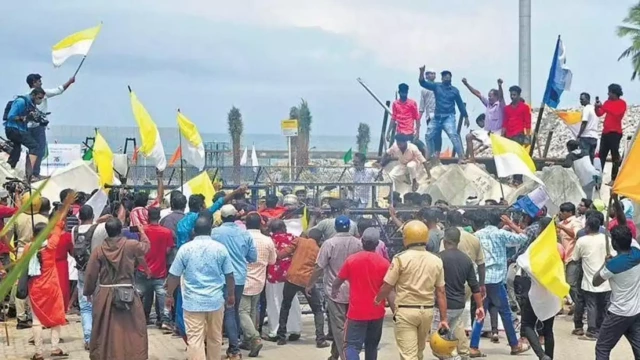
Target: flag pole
(181, 166)
(85, 57)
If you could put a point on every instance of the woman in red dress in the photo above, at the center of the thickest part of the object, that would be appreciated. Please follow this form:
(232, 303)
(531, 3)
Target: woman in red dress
(65, 247)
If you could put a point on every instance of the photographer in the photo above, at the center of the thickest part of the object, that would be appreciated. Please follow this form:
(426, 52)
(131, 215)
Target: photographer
(22, 110)
(38, 128)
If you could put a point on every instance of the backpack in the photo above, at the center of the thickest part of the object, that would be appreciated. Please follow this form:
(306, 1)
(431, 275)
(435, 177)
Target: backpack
(7, 108)
(82, 246)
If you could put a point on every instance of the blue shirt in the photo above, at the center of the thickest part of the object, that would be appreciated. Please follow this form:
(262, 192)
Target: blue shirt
(447, 96)
(188, 222)
(19, 107)
(241, 247)
(203, 264)
(494, 243)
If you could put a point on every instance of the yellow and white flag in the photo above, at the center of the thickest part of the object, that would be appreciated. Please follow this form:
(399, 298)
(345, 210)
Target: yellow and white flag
(543, 264)
(74, 44)
(103, 158)
(627, 184)
(200, 184)
(192, 141)
(512, 159)
(573, 120)
(151, 144)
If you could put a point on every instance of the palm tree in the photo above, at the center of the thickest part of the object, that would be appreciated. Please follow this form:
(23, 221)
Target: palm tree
(363, 138)
(304, 132)
(235, 130)
(631, 29)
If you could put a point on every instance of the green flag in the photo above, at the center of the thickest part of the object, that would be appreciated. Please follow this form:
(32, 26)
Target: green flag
(348, 156)
(88, 155)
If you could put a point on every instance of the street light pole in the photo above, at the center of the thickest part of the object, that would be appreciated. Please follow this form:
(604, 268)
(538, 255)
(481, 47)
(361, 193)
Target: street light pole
(524, 66)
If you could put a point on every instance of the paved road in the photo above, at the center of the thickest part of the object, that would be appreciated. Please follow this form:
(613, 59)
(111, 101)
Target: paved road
(165, 347)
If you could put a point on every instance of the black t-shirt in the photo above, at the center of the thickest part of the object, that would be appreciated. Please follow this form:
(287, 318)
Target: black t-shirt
(458, 270)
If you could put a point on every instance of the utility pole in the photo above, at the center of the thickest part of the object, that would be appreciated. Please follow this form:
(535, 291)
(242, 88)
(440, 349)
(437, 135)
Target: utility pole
(524, 65)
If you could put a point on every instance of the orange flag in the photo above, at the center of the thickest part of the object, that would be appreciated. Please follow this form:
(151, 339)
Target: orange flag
(134, 158)
(446, 154)
(176, 156)
(628, 184)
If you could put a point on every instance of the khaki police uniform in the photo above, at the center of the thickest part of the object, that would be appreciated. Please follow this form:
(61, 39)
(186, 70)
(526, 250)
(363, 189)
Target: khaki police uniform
(415, 273)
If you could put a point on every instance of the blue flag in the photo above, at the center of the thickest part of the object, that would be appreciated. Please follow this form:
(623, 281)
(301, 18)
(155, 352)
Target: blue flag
(559, 77)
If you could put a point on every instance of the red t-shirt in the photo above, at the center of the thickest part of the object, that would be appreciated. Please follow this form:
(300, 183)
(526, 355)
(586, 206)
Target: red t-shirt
(630, 224)
(161, 240)
(5, 213)
(405, 113)
(365, 273)
(614, 111)
(517, 119)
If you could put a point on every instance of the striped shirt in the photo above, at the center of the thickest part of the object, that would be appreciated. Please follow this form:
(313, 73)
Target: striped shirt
(257, 271)
(494, 243)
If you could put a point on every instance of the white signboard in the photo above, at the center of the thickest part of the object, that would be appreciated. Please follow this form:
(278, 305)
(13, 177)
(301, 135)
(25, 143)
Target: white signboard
(60, 156)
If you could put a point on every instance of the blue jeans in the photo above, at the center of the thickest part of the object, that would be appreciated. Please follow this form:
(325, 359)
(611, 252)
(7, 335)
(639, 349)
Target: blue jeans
(232, 321)
(437, 146)
(147, 288)
(86, 309)
(39, 134)
(496, 296)
(357, 333)
(434, 134)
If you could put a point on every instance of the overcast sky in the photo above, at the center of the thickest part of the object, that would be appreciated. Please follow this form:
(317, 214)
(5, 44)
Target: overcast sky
(263, 56)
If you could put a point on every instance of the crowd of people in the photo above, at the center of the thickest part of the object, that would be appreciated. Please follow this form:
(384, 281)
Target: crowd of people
(438, 102)
(235, 269)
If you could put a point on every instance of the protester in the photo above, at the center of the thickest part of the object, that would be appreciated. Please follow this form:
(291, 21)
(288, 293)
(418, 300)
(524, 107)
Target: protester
(417, 276)
(409, 158)
(458, 271)
(494, 242)
(614, 222)
(447, 97)
(327, 226)
(63, 252)
(118, 313)
(587, 136)
(333, 253)
(303, 252)
(365, 272)
(613, 111)
(623, 315)
(405, 119)
(206, 270)
(428, 107)
(242, 251)
(23, 109)
(6, 212)
(481, 136)
(583, 207)
(178, 203)
(591, 251)
(152, 282)
(255, 283)
(360, 174)
(517, 122)
(381, 248)
(45, 297)
(139, 215)
(494, 104)
(578, 159)
(38, 129)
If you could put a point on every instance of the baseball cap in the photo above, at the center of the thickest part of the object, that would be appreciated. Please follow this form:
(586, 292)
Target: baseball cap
(228, 210)
(371, 235)
(342, 223)
(599, 205)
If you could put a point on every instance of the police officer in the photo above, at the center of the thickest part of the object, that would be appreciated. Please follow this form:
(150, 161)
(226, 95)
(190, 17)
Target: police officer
(416, 275)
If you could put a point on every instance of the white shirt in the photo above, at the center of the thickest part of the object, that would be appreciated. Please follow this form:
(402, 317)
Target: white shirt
(625, 292)
(589, 116)
(591, 250)
(43, 107)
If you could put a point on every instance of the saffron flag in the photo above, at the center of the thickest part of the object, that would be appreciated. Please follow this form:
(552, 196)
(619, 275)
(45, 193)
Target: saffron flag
(543, 264)
(573, 120)
(192, 141)
(134, 157)
(74, 44)
(559, 77)
(512, 159)
(103, 158)
(151, 144)
(176, 156)
(201, 184)
(627, 184)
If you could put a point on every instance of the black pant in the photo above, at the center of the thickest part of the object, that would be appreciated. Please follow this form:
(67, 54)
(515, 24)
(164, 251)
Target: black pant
(596, 304)
(520, 139)
(574, 278)
(532, 327)
(610, 142)
(589, 145)
(357, 333)
(613, 327)
(19, 138)
(288, 293)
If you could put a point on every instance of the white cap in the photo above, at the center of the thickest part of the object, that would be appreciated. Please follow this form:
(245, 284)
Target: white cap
(429, 70)
(228, 210)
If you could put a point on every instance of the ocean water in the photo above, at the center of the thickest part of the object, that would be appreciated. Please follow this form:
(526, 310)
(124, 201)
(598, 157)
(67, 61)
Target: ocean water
(116, 136)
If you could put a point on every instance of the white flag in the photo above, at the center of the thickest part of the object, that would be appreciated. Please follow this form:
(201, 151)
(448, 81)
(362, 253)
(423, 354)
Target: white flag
(243, 159)
(254, 158)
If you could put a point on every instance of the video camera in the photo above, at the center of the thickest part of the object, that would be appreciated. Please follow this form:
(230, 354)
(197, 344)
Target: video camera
(13, 185)
(38, 117)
